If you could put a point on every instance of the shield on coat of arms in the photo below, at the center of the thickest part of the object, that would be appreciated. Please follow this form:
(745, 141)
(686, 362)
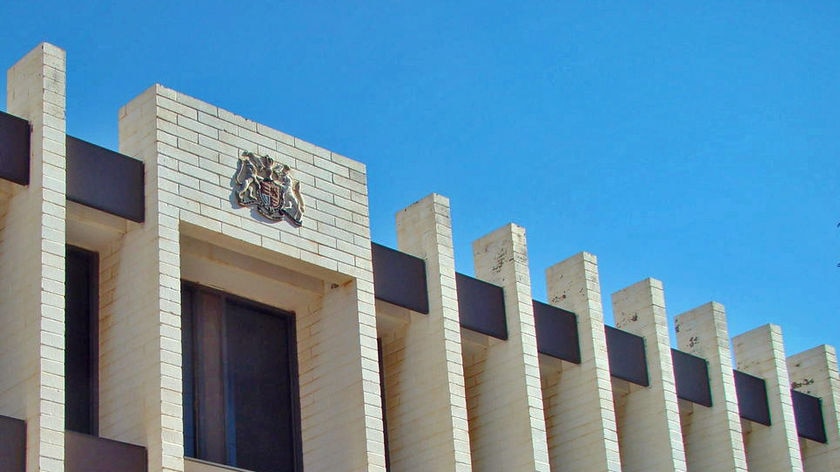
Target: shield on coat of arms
(266, 184)
(270, 193)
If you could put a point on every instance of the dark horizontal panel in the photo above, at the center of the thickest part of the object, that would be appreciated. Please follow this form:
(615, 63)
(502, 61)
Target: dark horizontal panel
(810, 423)
(14, 149)
(557, 333)
(626, 353)
(752, 398)
(400, 278)
(12, 445)
(691, 374)
(83, 453)
(481, 306)
(105, 180)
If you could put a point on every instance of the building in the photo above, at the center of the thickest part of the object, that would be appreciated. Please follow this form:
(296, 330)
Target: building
(209, 297)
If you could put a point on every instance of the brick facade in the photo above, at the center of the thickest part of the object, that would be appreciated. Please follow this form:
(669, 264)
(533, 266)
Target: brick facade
(379, 385)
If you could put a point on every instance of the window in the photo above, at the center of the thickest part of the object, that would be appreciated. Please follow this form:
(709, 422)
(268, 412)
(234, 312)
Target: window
(241, 404)
(81, 341)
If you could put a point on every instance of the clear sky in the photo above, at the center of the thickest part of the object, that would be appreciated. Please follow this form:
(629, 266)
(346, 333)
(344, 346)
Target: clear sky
(694, 142)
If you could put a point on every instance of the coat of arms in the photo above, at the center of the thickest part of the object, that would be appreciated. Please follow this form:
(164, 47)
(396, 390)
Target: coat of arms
(267, 184)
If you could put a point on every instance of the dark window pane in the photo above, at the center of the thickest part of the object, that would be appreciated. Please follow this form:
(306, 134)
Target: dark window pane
(260, 389)
(80, 341)
(241, 405)
(187, 371)
(209, 377)
(12, 445)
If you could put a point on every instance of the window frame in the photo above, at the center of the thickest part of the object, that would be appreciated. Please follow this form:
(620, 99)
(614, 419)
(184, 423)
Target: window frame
(194, 419)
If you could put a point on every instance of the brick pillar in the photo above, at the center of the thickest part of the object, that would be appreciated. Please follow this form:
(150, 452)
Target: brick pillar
(141, 395)
(427, 419)
(712, 436)
(815, 372)
(649, 433)
(510, 433)
(761, 353)
(339, 381)
(579, 410)
(32, 263)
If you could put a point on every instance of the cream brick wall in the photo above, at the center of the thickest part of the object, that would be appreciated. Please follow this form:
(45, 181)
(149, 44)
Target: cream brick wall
(481, 404)
(32, 263)
(191, 151)
(712, 435)
(426, 397)
(507, 424)
(578, 403)
(761, 353)
(815, 372)
(650, 437)
(338, 398)
(140, 330)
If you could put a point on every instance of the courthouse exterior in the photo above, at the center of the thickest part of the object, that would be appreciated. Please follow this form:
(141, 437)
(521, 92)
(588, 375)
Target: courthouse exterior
(208, 299)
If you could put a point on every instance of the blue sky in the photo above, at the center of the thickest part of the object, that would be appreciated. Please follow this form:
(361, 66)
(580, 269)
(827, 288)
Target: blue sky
(694, 142)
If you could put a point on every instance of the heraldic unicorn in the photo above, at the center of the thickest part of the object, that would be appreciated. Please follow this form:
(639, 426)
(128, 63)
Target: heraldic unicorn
(267, 184)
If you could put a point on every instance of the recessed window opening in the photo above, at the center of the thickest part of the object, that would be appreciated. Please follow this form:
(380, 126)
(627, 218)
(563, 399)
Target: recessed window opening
(81, 290)
(241, 405)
